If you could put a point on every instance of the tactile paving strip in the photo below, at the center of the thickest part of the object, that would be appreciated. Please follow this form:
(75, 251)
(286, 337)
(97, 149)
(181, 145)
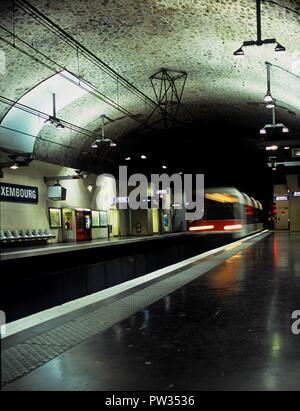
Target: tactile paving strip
(34, 352)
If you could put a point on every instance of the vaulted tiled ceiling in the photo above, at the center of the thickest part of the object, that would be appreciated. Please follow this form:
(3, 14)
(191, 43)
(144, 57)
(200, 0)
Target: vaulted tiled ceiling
(136, 38)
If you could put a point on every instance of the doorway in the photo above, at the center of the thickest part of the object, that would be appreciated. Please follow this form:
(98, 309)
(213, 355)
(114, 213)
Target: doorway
(113, 218)
(155, 220)
(83, 225)
(282, 218)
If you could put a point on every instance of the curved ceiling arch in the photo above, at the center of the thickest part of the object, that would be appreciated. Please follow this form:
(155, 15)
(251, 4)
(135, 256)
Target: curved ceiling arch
(198, 37)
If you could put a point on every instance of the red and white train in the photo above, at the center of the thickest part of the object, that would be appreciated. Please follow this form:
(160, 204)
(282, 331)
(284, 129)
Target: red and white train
(228, 210)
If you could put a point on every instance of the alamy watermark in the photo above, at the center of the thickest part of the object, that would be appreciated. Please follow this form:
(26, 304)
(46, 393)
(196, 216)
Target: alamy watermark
(296, 323)
(187, 193)
(2, 323)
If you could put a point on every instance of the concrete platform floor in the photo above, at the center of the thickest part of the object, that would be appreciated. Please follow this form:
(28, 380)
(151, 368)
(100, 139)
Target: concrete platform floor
(13, 252)
(229, 329)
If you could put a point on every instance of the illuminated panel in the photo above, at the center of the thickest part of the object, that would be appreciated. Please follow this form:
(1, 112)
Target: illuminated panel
(201, 228)
(296, 152)
(221, 197)
(22, 127)
(233, 227)
(296, 194)
(281, 198)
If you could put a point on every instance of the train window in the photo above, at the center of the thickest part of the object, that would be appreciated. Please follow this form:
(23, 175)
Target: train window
(218, 211)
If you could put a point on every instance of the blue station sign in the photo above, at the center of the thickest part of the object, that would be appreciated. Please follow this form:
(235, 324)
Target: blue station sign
(18, 193)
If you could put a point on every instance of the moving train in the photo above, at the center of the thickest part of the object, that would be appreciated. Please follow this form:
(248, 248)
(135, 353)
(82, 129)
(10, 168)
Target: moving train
(228, 210)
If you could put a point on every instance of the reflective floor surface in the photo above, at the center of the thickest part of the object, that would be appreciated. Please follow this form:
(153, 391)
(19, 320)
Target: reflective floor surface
(230, 329)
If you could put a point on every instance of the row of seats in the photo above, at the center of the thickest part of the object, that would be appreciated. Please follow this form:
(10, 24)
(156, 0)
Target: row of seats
(18, 235)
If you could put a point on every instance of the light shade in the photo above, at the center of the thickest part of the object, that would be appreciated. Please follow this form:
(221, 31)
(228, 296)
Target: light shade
(49, 120)
(270, 105)
(268, 98)
(285, 130)
(239, 52)
(279, 48)
(143, 157)
(263, 131)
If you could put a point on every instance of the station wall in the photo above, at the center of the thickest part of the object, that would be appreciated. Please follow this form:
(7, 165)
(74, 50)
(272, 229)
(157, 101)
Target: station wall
(35, 216)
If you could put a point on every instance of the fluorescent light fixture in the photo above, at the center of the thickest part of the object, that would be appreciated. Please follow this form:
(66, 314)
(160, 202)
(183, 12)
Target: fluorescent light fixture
(279, 48)
(296, 194)
(202, 228)
(164, 167)
(143, 157)
(281, 198)
(112, 144)
(285, 130)
(233, 227)
(180, 173)
(127, 158)
(263, 131)
(296, 152)
(14, 166)
(287, 148)
(272, 148)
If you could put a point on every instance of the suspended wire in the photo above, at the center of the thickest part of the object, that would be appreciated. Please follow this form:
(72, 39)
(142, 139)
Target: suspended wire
(286, 70)
(96, 93)
(64, 36)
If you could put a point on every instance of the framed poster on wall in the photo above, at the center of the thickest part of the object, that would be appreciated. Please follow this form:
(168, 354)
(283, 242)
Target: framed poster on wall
(166, 220)
(95, 219)
(55, 217)
(68, 219)
(103, 219)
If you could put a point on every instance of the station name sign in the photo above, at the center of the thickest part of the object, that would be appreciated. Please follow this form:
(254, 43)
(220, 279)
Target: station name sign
(19, 194)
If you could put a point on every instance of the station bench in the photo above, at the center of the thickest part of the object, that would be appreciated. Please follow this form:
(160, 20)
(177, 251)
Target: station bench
(17, 236)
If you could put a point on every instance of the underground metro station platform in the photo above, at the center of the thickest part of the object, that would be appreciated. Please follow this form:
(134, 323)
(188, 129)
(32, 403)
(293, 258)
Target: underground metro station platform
(217, 321)
(149, 195)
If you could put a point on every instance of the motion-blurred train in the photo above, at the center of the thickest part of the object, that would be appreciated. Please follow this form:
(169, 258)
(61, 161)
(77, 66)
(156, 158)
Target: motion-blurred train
(227, 210)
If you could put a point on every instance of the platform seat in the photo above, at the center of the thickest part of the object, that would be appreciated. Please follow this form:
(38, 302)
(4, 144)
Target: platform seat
(25, 235)
(48, 233)
(9, 235)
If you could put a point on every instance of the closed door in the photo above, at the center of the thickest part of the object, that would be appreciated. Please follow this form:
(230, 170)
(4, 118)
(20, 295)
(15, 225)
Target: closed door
(282, 219)
(113, 216)
(155, 220)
